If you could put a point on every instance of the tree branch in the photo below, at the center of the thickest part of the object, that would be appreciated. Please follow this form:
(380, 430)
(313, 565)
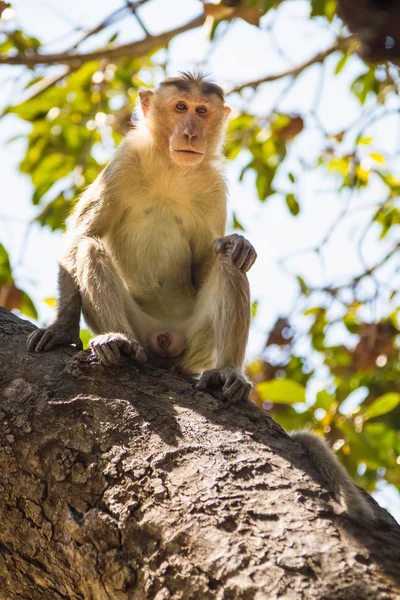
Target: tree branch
(340, 44)
(125, 483)
(132, 50)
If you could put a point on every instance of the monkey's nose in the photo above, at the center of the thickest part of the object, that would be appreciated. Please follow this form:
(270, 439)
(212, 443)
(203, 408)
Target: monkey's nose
(164, 340)
(189, 135)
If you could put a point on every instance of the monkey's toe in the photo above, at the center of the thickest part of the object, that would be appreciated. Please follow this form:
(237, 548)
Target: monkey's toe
(39, 340)
(140, 356)
(235, 386)
(106, 351)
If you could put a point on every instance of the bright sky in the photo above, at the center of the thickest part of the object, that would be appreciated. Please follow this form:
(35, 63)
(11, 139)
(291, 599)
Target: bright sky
(243, 53)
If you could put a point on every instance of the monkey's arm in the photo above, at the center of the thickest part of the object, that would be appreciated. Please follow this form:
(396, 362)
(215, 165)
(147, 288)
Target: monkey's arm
(228, 284)
(65, 329)
(336, 478)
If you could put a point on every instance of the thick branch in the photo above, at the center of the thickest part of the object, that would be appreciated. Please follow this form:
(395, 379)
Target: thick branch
(340, 44)
(132, 50)
(126, 484)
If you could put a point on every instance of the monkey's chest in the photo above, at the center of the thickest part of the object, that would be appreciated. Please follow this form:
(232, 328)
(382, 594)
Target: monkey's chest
(154, 251)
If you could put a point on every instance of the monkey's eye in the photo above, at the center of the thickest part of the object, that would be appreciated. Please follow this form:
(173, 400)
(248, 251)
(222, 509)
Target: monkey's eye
(181, 107)
(201, 110)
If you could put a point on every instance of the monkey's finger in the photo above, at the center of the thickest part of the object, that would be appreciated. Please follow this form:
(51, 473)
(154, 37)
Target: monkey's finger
(98, 352)
(243, 257)
(41, 346)
(209, 379)
(229, 379)
(33, 339)
(246, 391)
(112, 353)
(239, 396)
(249, 260)
(237, 249)
(232, 390)
(219, 245)
(55, 340)
(140, 356)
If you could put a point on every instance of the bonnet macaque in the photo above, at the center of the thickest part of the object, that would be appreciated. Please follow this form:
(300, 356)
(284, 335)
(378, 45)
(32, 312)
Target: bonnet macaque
(146, 258)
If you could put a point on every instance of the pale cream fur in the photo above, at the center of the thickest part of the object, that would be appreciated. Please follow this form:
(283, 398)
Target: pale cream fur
(141, 246)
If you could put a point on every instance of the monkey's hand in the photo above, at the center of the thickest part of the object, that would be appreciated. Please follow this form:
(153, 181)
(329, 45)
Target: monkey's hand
(240, 251)
(235, 386)
(43, 340)
(108, 348)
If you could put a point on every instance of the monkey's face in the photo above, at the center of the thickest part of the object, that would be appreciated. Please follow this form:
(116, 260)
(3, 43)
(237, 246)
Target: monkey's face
(190, 130)
(187, 122)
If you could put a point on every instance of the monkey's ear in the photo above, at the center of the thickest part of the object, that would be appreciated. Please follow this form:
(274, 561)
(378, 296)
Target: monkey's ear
(145, 101)
(227, 110)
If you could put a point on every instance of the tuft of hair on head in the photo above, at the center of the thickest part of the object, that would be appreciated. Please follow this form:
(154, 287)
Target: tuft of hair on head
(189, 79)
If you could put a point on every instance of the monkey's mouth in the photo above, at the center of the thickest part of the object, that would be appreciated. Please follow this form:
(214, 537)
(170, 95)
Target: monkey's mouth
(188, 152)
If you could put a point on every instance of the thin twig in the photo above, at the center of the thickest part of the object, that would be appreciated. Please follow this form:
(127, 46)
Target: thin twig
(340, 44)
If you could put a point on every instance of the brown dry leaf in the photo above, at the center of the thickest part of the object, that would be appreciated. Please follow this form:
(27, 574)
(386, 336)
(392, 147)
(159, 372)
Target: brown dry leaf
(10, 296)
(293, 128)
(217, 11)
(376, 339)
(3, 6)
(251, 15)
(276, 335)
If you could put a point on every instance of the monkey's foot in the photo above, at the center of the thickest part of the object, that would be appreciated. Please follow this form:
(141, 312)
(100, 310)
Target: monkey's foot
(235, 386)
(43, 340)
(108, 348)
(238, 249)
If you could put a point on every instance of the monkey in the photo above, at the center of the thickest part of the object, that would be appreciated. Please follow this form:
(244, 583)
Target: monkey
(334, 475)
(146, 258)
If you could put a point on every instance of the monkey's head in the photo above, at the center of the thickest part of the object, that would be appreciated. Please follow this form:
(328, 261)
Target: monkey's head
(186, 116)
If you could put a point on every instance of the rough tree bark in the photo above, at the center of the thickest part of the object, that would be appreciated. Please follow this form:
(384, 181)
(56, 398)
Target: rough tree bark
(125, 483)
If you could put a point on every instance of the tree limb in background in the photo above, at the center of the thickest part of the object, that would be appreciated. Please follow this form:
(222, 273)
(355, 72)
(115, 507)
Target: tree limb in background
(132, 50)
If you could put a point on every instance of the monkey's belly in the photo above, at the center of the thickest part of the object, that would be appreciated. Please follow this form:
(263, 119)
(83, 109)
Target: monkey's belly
(157, 273)
(168, 305)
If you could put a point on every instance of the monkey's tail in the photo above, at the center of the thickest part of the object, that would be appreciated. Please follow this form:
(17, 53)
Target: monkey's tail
(336, 477)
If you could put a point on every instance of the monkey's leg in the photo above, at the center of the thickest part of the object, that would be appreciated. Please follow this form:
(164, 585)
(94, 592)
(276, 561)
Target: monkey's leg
(65, 329)
(222, 310)
(107, 307)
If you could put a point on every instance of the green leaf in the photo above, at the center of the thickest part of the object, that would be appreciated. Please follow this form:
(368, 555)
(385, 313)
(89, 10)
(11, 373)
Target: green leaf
(254, 307)
(323, 8)
(351, 323)
(341, 62)
(282, 391)
(5, 267)
(303, 286)
(364, 141)
(292, 204)
(113, 37)
(236, 224)
(382, 405)
(27, 307)
(324, 400)
(85, 336)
